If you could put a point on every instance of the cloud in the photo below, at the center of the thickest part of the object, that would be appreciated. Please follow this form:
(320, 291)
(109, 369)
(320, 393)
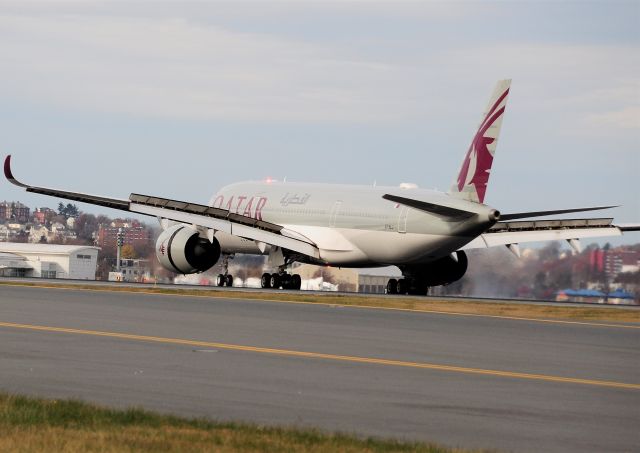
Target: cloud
(178, 68)
(171, 67)
(628, 118)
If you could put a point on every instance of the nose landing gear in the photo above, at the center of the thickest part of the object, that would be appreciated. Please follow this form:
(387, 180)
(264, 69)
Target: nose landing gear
(225, 279)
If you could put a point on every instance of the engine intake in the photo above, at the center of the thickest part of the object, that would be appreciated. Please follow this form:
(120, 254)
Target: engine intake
(181, 249)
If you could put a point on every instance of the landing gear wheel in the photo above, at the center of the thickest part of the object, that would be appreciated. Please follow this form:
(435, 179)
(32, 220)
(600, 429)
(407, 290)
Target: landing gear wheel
(275, 281)
(418, 289)
(296, 282)
(285, 281)
(220, 280)
(403, 286)
(265, 281)
(229, 280)
(392, 286)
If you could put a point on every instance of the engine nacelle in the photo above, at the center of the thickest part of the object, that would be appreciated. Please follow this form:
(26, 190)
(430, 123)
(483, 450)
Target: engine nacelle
(181, 249)
(440, 272)
(447, 270)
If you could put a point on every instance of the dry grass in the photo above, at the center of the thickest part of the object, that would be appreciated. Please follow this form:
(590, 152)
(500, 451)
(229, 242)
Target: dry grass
(470, 307)
(37, 425)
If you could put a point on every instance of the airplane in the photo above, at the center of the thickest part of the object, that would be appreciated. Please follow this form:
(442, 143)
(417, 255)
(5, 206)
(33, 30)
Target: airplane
(424, 233)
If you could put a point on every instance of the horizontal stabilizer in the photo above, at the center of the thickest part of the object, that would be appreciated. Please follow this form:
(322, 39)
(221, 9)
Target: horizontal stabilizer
(526, 215)
(629, 227)
(570, 230)
(436, 209)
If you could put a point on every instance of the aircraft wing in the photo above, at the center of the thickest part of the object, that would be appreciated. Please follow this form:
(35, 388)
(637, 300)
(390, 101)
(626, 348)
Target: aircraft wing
(511, 234)
(190, 213)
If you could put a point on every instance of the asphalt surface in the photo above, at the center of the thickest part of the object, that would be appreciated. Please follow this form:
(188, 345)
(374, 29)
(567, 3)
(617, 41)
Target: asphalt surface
(382, 373)
(212, 289)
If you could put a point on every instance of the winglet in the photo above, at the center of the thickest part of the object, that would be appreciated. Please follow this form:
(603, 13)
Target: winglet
(9, 175)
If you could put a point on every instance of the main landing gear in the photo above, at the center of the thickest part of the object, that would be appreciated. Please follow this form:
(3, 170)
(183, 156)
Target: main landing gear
(406, 286)
(281, 280)
(225, 279)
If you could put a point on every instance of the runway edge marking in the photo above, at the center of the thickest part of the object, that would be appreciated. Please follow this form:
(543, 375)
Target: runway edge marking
(318, 355)
(334, 304)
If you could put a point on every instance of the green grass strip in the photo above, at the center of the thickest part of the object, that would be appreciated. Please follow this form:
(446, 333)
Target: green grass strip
(41, 425)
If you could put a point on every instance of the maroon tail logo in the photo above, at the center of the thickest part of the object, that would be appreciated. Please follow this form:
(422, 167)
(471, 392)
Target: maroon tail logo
(479, 150)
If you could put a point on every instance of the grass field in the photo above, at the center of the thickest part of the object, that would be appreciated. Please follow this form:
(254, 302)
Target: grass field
(470, 307)
(39, 425)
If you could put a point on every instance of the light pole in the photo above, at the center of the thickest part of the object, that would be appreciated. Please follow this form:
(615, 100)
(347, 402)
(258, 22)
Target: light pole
(119, 240)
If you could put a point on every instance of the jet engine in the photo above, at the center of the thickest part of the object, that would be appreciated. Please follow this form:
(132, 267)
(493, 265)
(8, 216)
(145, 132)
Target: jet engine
(440, 272)
(446, 270)
(181, 249)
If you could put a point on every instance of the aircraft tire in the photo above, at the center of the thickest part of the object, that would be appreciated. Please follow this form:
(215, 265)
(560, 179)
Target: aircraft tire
(296, 282)
(392, 286)
(285, 281)
(220, 280)
(229, 280)
(265, 281)
(403, 286)
(418, 289)
(275, 281)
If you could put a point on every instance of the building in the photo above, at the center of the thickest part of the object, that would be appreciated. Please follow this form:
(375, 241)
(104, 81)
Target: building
(13, 265)
(373, 284)
(590, 296)
(14, 210)
(596, 260)
(36, 233)
(326, 278)
(619, 261)
(618, 297)
(41, 215)
(134, 234)
(48, 261)
(131, 270)
(343, 279)
(622, 297)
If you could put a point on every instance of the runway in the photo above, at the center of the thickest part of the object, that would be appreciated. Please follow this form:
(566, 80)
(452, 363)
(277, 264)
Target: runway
(469, 381)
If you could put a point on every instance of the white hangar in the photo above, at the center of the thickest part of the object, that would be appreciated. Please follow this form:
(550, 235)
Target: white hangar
(48, 261)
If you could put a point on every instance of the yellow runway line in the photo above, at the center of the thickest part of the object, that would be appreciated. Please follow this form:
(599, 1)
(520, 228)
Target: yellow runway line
(333, 357)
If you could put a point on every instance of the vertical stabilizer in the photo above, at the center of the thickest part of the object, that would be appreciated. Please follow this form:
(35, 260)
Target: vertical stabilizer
(473, 178)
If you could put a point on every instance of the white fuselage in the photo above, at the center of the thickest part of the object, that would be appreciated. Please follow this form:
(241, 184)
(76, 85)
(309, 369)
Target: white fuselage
(353, 225)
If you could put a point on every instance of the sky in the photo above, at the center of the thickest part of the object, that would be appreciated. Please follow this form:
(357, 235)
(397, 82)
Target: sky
(177, 99)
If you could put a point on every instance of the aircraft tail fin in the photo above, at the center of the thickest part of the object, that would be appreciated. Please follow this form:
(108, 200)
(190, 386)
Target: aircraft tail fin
(472, 180)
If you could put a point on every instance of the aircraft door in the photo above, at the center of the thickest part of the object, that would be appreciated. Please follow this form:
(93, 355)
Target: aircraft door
(334, 213)
(402, 219)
